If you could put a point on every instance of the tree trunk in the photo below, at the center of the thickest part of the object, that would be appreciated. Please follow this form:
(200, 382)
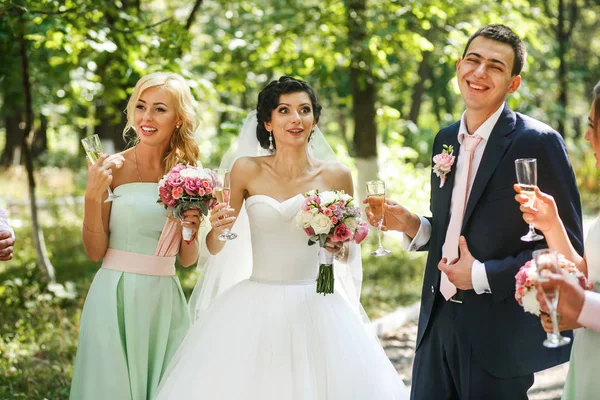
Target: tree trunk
(562, 68)
(419, 89)
(46, 267)
(40, 138)
(14, 138)
(364, 93)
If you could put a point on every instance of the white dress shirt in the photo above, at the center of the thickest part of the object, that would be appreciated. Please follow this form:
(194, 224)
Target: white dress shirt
(478, 275)
(4, 223)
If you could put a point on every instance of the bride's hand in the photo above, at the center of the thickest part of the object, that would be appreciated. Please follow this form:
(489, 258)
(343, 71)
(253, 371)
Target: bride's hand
(220, 218)
(333, 247)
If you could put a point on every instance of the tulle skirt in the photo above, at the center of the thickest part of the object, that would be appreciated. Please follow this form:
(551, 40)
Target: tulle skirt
(262, 341)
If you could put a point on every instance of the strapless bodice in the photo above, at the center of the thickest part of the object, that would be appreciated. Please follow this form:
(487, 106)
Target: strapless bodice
(279, 246)
(136, 220)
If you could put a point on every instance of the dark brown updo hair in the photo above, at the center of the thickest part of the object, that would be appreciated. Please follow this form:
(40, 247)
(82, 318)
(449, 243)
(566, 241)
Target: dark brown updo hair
(268, 100)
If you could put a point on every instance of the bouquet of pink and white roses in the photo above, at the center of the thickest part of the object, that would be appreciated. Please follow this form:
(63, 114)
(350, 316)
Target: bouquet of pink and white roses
(528, 275)
(186, 187)
(330, 214)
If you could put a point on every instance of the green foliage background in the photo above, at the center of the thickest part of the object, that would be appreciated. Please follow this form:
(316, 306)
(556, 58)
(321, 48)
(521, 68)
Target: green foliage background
(86, 55)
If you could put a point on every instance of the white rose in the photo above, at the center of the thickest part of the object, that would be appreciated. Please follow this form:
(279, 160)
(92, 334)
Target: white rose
(530, 303)
(304, 218)
(345, 197)
(162, 182)
(203, 174)
(321, 224)
(327, 197)
(189, 173)
(351, 223)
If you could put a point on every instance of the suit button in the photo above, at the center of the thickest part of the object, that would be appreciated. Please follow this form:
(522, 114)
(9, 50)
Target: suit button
(432, 289)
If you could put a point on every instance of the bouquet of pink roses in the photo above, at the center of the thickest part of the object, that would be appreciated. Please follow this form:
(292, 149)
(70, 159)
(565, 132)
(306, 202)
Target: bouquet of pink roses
(334, 214)
(186, 187)
(528, 275)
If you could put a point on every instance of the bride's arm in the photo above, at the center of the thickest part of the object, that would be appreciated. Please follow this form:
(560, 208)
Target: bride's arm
(223, 217)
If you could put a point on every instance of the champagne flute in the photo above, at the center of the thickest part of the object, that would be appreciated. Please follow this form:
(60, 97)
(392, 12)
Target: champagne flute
(93, 149)
(546, 261)
(222, 195)
(376, 199)
(526, 169)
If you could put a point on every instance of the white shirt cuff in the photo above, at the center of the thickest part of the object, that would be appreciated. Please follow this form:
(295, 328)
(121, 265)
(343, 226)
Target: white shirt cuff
(590, 313)
(421, 238)
(479, 279)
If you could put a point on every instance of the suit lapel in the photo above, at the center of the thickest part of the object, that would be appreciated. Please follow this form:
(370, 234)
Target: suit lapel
(497, 145)
(445, 193)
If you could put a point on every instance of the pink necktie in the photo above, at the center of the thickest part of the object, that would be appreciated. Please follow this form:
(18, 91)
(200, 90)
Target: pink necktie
(450, 248)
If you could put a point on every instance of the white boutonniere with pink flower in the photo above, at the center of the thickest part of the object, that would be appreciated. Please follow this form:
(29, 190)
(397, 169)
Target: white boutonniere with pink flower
(330, 214)
(443, 162)
(186, 187)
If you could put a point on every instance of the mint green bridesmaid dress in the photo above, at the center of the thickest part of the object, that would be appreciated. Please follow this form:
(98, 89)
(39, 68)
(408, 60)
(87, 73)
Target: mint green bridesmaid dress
(131, 324)
(582, 381)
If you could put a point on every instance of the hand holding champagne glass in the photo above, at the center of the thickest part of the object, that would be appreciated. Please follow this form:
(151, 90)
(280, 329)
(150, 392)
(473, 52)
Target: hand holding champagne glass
(222, 195)
(526, 169)
(93, 149)
(546, 261)
(376, 199)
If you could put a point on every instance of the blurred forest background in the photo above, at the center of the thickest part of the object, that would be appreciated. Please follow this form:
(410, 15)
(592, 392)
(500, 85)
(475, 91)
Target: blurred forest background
(383, 69)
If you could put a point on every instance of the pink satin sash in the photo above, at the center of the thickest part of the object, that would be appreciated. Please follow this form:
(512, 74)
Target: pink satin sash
(170, 239)
(136, 263)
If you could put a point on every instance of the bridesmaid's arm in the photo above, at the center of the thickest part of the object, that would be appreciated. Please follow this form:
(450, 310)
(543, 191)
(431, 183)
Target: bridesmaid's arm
(242, 169)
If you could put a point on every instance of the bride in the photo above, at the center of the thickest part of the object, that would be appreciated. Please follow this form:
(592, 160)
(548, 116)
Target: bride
(268, 335)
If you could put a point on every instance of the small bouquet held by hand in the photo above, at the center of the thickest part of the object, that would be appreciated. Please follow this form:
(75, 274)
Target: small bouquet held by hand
(186, 187)
(528, 275)
(330, 214)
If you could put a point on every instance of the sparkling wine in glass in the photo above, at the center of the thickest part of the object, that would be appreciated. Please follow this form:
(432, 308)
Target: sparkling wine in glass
(222, 195)
(526, 169)
(546, 261)
(376, 199)
(93, 149)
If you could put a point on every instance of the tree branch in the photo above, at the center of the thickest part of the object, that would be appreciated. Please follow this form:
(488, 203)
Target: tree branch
(192, 16)
(141, 28)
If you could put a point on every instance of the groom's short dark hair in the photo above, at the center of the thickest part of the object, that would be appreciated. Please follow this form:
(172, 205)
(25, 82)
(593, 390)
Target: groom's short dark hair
(504, 34)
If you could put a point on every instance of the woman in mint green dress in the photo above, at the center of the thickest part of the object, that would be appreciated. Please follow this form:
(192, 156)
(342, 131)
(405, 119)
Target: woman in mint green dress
(582, 381)
(135, 314)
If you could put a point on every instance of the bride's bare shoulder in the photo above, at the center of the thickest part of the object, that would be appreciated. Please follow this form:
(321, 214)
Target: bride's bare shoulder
(338, 176)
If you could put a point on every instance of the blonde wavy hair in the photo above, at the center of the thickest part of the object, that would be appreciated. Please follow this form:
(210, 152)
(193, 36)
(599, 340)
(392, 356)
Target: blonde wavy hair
(182, 147)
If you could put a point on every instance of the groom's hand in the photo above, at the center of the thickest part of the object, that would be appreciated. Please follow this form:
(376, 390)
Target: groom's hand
(396, 218)
(459, 270)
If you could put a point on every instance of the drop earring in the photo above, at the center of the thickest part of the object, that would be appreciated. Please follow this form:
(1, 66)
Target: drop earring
(271, 147)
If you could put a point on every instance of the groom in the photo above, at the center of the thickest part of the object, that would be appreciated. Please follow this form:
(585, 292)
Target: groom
(474, 340)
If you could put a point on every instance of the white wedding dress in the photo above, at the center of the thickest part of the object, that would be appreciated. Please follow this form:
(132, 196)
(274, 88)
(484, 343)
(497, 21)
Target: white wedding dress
(272, 337)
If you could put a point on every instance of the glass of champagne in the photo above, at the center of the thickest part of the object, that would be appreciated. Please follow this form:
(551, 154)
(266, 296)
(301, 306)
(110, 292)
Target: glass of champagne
(526, 169)
(93, 149)
(546, 261)
(222, 195)
(376, 199)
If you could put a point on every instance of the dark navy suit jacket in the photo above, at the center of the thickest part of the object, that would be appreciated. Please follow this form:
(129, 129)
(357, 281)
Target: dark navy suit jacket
(505, 340)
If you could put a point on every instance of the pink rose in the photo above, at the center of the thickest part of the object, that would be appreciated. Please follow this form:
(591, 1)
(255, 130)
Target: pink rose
(334, 220)
(190, 186)
(361, 232)
(174, 179)
(309, 231)
(209, 190)
(341, 233)
(327, 212)
(201, 192)
(177, 193)
(205, 184)
(443, 162)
